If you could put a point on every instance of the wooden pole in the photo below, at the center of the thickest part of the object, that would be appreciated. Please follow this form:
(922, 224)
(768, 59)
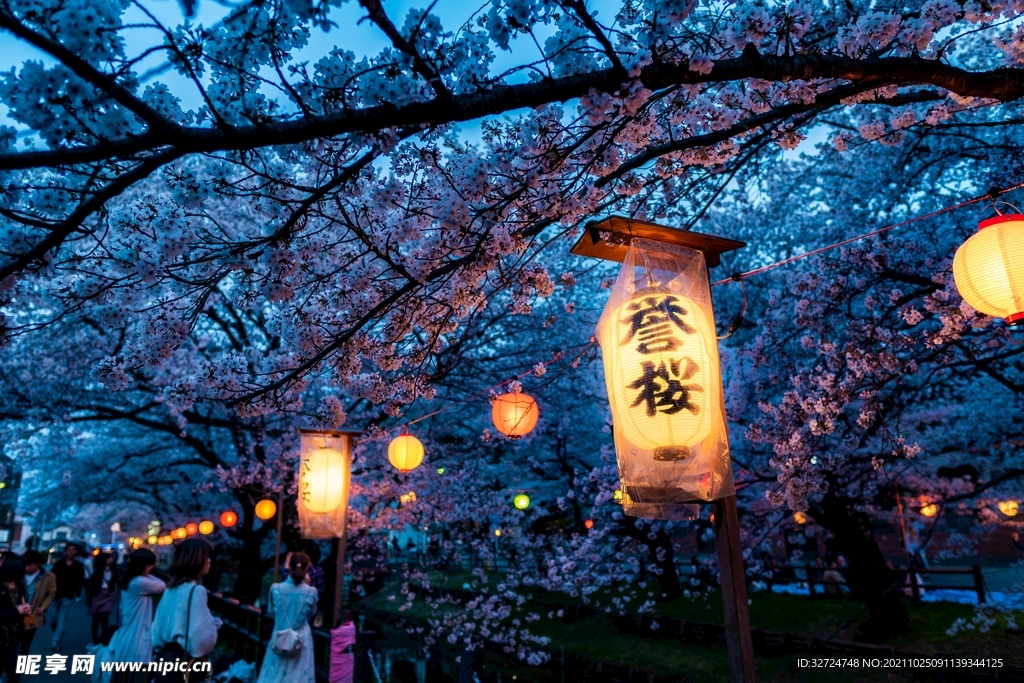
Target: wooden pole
(340, 542)
(277, 543)
(739, 643)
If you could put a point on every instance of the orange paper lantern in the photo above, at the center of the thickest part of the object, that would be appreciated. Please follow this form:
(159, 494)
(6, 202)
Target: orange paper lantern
(191, 528)
(515, 414)
(179, 533)
(265, 509)
(228, 519)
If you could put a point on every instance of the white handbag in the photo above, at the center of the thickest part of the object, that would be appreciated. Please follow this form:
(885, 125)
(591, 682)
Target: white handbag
(287, 642)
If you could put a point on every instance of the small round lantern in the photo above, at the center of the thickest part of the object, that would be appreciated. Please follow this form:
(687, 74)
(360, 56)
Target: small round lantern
(206, 527)
(228, 519)
(179, 533)
(989, 268)
(1008, 507)
(522, 501)
(266, 509)
(166, 540)
(589, 524)
(405, 452)
(929, 510)
(800, 517)
(515, 414)
(153, 540)
(191, 528)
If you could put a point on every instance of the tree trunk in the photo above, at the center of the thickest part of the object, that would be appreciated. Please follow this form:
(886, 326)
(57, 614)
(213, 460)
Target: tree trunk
(869, 577)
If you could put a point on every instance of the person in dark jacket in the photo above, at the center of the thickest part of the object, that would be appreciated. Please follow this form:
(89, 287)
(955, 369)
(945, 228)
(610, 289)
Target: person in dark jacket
(102, 592)
(11, 615)
(70, 575)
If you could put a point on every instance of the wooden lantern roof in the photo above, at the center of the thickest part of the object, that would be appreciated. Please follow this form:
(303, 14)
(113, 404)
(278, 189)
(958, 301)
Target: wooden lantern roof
(609, 239)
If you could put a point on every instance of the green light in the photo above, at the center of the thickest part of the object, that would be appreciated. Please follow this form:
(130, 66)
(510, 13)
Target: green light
(440, 470)
(522, 501)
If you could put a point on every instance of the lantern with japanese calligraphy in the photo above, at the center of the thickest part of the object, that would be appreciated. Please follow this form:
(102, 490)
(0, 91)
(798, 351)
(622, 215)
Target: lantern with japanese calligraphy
(657, 336)
(324, 464)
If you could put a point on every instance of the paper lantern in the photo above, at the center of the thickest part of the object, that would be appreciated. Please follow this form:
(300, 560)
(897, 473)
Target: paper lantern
(324, 470)
(989, 268)
(929, 510)
(191, 528)
(266, 509)
(322, 480)
(589, 524)
(497, 532)
(228, 519)
(405, 452)
(1008, 507)
(165, 540)
(515, 414)
(206, 527)
(660, 352)
(800, 517)
(153, 540)
(407, 497)
(179, 533)
(522, 501)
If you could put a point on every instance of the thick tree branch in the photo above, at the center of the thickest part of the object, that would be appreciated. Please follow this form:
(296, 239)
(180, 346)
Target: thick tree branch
(1003, 84)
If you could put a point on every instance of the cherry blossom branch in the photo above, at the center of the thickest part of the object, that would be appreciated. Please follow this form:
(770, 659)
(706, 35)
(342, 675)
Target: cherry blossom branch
(1004, 84)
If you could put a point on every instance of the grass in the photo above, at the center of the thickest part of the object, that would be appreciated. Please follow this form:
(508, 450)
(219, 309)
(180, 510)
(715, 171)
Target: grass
(598, 639)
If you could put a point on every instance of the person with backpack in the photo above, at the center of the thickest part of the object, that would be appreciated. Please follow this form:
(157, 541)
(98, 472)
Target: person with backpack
(184, 628)
(292, 602)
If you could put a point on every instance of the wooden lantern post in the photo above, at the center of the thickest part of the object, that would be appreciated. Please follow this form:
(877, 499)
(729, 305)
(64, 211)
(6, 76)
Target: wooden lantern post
(609, 239)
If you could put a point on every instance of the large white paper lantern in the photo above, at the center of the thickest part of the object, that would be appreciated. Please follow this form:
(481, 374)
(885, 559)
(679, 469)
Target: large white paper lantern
(657, 336)
(325, 461)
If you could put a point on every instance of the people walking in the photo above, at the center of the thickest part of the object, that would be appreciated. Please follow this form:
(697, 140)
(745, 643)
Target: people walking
(102, 591)
(289, 658)
(70, 576)
(40, 589)
(183, 627)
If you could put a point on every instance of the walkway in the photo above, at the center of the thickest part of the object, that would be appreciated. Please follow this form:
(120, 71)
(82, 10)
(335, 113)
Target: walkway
(76, 637)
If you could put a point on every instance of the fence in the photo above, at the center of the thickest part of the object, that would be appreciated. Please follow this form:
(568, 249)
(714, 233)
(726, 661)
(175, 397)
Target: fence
(814, 578)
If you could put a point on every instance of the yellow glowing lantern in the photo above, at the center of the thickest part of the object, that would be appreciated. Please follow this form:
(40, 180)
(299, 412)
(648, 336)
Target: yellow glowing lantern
(800, 517)
(989, 268)
(179, 533)
(206, 527)
(322, 480)
(165, 540)
(589, 524)
(324, 469)
(408, 497)
(660, 352)
(929, 510)
(405, 452)
(153, 540)
(522, 501)
(515, 414)
(266, 509)
(1008, 507)
(497, 532)
(228, 519)
(191, 528)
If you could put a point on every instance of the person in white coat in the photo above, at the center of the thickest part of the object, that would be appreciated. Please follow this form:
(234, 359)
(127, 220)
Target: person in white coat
(133, 640)
(292, 602)
(183, 625)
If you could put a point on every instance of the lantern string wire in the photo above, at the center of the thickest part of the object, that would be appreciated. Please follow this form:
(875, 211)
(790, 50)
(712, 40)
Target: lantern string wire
(991, 195)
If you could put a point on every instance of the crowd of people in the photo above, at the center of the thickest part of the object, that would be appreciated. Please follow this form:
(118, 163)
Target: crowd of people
(181, 627)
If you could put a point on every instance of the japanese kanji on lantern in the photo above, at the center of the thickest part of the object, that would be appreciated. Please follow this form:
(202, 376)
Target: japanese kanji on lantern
(657, 337)
(324, 464)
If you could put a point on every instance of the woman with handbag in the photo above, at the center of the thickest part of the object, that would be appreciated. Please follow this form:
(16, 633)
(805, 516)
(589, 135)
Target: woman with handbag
(292, 602)
(183, 628)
